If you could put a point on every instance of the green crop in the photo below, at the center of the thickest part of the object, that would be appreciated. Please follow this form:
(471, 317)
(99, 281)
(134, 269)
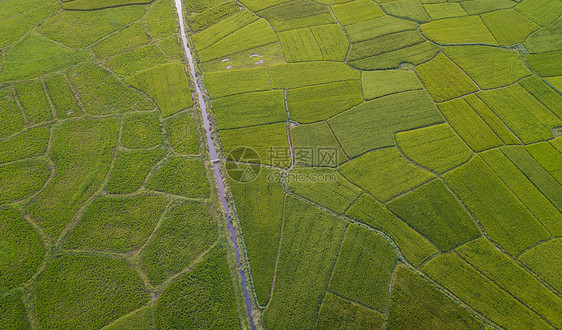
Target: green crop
(179, 176)
(182, 134)
(131, 168)
(27, 144)
(22, 179)
(339, 313)
(34, 101)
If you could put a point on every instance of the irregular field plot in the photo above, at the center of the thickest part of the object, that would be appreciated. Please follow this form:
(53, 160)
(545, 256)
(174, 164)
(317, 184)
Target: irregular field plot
(34, 101)
(380, 83)
(13, 313)
(179, 176)
(545, 261)
(131, 168)
(183, 134)
(508, 26)
(27, 144)
(62, 96)
(339, 313)
(141, 130)
(22, 179)
(317, 135)
(458, 30)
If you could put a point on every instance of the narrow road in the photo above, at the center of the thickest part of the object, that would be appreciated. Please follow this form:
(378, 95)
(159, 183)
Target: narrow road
(214, 159)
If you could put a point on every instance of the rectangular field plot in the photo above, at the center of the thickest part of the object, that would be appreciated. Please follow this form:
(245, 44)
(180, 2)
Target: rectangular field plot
(378, 27)
(37, 107)
(320, 102)
(11, 116)
(308, 251)
(300, 45)
(509, 276)
(530, 120)
(409, 9)
(444, 79)
(415, 54)
(339, 313)
(295, 14)
(475, 7)
(542, 12)
(546, 64)
(384, 44)
(506, 220)
(27, 144)
(332, 41)
(250, 109)
(549, 158)
(508, 26)
(544, 93)
(226, 83)
(356, 11)
(219, 31)
(545, 261)
(458, 30)
(296, 75)
(261, 56)
(373, 124)
(469, 125)
(320, 136)
(444, 10)
(414, 246)
(380, 83)
(200, 21)
(480, 293)
(167, 85)
(62, 96)
(520, 185)
(253, 35)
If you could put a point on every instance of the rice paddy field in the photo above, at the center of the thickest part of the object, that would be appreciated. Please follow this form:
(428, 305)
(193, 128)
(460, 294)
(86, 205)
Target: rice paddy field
(392, 164)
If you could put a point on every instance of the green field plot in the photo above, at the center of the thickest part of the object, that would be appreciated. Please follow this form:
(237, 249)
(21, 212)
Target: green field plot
(130, 37)
(384, 44)
(315, 103)
(412, 295)
(408, 9)
(296, 75)
(435, 213)
(549, 158)
(413, 246)
(363, 269)
(82, 153)
(508, 26)
(131, 168)
(384, 173)
(536, 173)
(158, 19)
(380, 83)
(317, 135)
(529, 195)
(530, 120)
(179, 176)
(378, 27)
(167, 85)
(142, 130)
(492, 120)
(34, 101)
(296, 14)
(444, 10)
(101, 93)
(323, 186)
(501, 214)
(542, 12)
(256, 5)
(332, 41)
(11, 117)
(544, 93)
(509, 276)
(259, 206)
(22, 179)
(209, 285)
(77, 29)
(171, 48)
(100, 4)
(490, 67)
(483, 6)
(222, 29)
(250, 109)
(556, 82)
(546, 64)
(458, 30)
(28, 144)
(136, 60)
(118, 224)
(415, 54)
(300, 45)
(339, 313)
(95, 290)
(545, 261)
(444, 79)
(262, 56)
(13, 28)
(21, 250)
(35, 55)
(13, 313)
(546, 39)
(372, 124)
(264, 139)
(14, 7)
(308, 251)
(62, 97)
(480, 293)
(182, 134)
(187, 231)
(438, 147)
(253, 35)
(140, 319)
(200, 21)
(226, 83)
(198, 6)
(356, 11)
